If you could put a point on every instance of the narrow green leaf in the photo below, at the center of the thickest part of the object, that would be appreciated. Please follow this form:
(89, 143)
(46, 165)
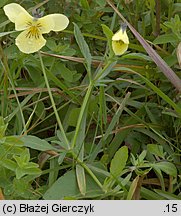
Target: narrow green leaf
(167, 195)
(62, 142)
(9, 164)
(54, 164)
(142, 156)
(13, 140)
(82, 45)
(66, 73)
(80, 127)
(80, 173)
(36, 143)
(150, 195)
(84, 4)
(167, 38)
(157, 150)
(101, 3)
(176, 8)
(132, 188)
(167, 167)
(61, 157)
(160, 177)
(108, 33)
(33, 171)
(102, 104)
(19, 172)
(140, 56)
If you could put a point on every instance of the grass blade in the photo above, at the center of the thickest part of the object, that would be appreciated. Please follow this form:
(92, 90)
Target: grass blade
(83, 47)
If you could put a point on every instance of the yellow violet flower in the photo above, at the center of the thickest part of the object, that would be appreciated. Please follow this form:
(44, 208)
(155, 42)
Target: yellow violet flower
(31, 39)
(120, 41)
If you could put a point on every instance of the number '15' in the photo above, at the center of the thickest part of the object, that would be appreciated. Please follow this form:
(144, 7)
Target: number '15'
(171, 208)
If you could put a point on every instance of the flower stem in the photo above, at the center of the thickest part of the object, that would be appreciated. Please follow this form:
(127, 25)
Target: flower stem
(53, 103)
(83, 108)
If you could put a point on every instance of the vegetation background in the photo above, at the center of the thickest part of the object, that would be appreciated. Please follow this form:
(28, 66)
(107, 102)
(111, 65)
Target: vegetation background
(78, 122)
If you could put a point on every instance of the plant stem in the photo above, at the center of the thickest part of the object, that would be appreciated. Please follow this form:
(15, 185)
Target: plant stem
(53, 103)
(83, 108)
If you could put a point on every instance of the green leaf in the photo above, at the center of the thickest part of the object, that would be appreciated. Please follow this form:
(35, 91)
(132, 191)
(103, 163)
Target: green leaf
(167, 195)
(83, 46)
(33, 170)
(139, 56)
(80, 173)
(3, 127)
(19, 172)
(101, 3)
(40, 110)
(119, 161)
(73, 117)
(142, 156)
(167, 38)
(150, 195)
(132, 188)
(66, 186)
(108, 33)
(157, 150)
(84, 4)
(9, 164)
(61, 157)
(66, 73)
(13, 141)
(176, 8)
(62, 142)
(167, 167)
(36, 143)
(160, 176)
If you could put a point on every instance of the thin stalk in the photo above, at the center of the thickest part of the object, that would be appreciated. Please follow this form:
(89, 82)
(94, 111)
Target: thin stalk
(53, 103)
(83, 108)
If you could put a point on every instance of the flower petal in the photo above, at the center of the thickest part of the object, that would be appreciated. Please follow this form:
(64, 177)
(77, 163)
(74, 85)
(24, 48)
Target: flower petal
(29, 45)
(119, 47)
(22, 20)
(53, 22)
(13, 10)
(121, 35)
(120, 42)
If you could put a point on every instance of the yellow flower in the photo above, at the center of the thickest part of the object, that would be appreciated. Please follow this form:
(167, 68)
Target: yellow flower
(31, 39)
(120, 41)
